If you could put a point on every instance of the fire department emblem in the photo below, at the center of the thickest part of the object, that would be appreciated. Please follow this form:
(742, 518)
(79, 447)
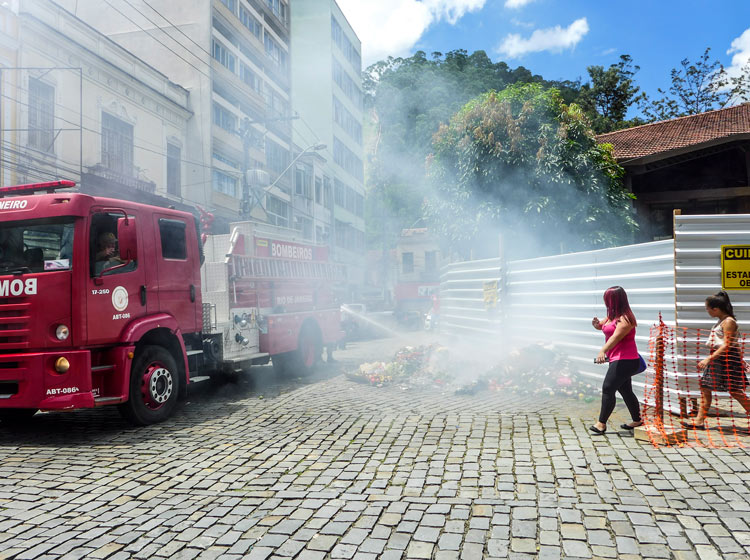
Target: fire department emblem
(120, 298)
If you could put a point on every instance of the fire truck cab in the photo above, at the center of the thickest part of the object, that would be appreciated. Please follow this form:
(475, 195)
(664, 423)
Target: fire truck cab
(102, 302)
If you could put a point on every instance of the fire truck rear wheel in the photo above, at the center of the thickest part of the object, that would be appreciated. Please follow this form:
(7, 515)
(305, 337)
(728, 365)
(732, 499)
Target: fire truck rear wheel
(16, 415)
(154, 387)
(309, 348)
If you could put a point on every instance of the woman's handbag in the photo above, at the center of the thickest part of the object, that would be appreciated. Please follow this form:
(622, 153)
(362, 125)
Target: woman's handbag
(641, 365)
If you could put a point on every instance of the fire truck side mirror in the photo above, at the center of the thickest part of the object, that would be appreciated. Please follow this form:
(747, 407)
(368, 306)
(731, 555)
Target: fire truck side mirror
(127, 239)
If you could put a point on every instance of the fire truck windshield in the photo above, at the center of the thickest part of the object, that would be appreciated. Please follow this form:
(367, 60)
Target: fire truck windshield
(43, 245)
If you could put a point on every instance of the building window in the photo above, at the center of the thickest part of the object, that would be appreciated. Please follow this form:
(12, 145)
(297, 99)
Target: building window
(303, 181)
(223, 183)
(41, 116)
(347, 84)
(117, 145)
(224, 118)
(249, 21)
(277, 158)
(347, 159)
(274, 51)
(304, 226)
(174, 158)
(228, 161)
(407, 263)
(222, 54)
(276, 104)
(346, 47)
(250, 78)
(318, 190)
(278, 8)
(278, 211)
(231, 5)
(360, 210)
(346, 120)
(172, 234)
(339, 193)
(327, 198)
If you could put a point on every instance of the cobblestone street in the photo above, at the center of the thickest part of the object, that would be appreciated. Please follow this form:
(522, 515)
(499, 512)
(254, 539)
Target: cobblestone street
(328, 468)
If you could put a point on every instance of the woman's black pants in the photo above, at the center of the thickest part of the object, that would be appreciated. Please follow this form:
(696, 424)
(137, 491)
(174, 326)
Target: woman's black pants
(618, 379)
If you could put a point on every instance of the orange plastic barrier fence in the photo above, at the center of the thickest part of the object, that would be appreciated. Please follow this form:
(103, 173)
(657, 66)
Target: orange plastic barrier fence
(683, 384)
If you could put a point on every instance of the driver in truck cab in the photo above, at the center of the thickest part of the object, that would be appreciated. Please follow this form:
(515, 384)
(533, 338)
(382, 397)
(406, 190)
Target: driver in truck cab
(106, 252)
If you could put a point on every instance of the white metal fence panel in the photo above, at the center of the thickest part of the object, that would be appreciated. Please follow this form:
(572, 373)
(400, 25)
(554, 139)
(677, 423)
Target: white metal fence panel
(462, 305)
(553, 299)
(698, 241)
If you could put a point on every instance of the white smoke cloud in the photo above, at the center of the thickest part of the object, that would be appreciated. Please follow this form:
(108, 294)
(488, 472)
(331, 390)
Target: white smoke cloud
(740, 51)
(553, 39)
(393, 27)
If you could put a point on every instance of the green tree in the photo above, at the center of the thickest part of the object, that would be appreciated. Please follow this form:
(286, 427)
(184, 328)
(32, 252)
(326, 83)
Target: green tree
(522, 162)
(406, 101)
(610, 93)
(696, 87)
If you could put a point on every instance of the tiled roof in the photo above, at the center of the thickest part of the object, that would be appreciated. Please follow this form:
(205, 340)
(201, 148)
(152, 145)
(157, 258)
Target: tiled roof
(663, 136)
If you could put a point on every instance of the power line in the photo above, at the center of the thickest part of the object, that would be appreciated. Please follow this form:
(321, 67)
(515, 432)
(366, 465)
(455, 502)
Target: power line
(157, 40)
(99, 133)
(174, 26)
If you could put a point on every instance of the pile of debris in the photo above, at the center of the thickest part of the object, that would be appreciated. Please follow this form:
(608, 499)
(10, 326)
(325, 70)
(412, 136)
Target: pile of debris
(540, 370)
(536, 370)
(414, 366)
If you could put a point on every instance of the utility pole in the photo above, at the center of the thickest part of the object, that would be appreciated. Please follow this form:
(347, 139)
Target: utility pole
(249, 196)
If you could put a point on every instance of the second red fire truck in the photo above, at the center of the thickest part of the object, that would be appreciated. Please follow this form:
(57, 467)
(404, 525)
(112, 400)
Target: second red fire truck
(105, 302)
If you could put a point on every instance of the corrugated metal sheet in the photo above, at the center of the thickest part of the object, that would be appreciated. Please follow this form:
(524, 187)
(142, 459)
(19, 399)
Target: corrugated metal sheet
(462, 307)
(553, 299)
(698, 241)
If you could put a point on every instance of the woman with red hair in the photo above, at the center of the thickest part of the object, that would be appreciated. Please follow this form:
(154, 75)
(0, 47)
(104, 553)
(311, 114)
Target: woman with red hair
(624, 361)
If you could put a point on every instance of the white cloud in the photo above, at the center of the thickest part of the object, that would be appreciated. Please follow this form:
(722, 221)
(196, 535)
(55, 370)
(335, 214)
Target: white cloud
(553, 39)
(393, 27)
(741, 53)
(515, 4)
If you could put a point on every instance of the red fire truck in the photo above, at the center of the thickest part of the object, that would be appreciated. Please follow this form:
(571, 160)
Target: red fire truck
(105, 302)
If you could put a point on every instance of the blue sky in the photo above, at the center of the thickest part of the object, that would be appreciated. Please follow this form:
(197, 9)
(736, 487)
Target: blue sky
(558, 38)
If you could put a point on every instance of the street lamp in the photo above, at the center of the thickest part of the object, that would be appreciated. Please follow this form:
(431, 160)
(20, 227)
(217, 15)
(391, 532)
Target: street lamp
(247, 204)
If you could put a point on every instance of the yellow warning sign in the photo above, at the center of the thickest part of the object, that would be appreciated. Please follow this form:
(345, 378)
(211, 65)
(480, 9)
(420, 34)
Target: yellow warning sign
(735, 267)
(490, 294)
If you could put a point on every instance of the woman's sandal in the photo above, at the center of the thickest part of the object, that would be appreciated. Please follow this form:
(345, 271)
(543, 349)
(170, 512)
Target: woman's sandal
(693, 425)
(597, 431)
(629, 427)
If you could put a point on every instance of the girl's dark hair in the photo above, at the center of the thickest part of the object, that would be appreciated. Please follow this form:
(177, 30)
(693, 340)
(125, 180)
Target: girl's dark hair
(720, 300)
(617, 304)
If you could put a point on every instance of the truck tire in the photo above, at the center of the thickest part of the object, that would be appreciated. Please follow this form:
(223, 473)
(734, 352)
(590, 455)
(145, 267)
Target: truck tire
(306, 357)
(154, 387)
(16, 415)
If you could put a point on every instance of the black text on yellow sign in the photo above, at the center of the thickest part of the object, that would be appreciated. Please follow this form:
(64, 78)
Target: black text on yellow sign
(735, 267)
(490, 294)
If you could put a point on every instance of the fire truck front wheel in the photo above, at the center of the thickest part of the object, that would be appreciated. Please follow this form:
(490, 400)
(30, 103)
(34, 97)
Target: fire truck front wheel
(154, 387)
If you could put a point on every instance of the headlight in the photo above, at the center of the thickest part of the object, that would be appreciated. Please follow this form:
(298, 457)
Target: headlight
(62, 332)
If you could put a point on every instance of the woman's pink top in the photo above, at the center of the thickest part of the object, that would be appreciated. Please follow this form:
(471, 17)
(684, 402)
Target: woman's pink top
(623, 350)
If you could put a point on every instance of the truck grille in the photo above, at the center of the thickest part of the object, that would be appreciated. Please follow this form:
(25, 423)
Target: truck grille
(14, 324)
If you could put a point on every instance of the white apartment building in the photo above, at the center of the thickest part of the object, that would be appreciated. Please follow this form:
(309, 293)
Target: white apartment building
(80, 107)
(327, 95)
(233, 57)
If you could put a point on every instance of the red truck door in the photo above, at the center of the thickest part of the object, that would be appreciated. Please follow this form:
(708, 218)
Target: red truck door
(177, 265)
(114, 289)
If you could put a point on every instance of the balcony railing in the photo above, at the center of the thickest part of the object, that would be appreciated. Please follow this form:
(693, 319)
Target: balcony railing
(100, 170)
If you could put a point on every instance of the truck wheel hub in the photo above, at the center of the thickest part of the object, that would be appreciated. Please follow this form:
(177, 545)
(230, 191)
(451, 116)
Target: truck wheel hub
(157, 386)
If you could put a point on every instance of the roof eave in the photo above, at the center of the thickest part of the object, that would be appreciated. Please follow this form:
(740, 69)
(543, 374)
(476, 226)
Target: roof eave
(650, 158)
